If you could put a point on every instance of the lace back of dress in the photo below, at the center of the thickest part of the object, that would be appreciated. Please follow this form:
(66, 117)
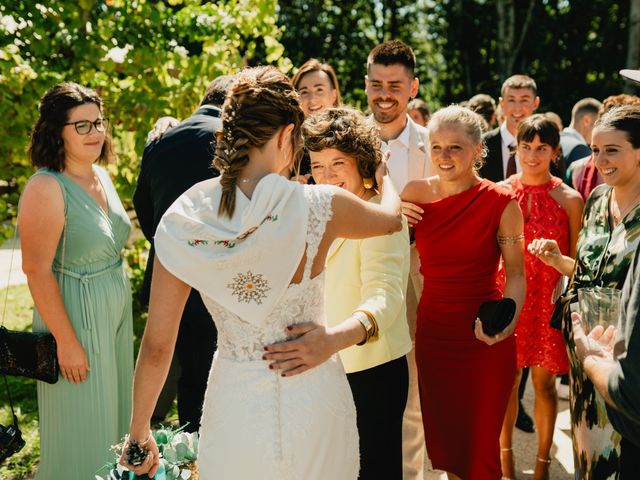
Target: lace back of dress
(240, 339)
(320, 212)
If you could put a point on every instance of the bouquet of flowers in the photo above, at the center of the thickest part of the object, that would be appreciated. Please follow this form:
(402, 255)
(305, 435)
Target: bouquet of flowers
(178, 453)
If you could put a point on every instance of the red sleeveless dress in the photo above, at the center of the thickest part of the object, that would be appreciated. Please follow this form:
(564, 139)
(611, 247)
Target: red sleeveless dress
(537, 343)
(464, 383)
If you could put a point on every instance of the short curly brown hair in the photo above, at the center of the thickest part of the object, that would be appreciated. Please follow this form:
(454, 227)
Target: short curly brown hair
(348, 131)
(46, 148)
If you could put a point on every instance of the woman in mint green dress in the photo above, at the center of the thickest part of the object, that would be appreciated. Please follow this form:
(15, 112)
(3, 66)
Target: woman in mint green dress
(72, 229)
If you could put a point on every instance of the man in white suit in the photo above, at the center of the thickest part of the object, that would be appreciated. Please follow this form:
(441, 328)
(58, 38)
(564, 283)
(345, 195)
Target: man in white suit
(390, 85)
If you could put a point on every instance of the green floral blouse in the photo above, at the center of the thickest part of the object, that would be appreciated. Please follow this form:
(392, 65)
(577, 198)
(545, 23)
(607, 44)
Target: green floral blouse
(603, 259)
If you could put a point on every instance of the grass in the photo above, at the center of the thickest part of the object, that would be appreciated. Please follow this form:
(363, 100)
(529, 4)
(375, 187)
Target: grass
(23, 392)
(23, 464)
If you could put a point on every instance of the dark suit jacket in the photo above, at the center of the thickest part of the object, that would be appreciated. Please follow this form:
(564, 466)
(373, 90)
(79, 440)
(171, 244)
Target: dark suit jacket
(171, 165)
(492, 168)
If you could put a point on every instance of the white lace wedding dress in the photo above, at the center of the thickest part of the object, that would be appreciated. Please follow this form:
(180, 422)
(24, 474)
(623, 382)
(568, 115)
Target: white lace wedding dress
(259, 425)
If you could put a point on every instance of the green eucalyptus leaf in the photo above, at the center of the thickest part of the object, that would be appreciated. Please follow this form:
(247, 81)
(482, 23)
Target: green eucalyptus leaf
(182, 450)
(170, 455)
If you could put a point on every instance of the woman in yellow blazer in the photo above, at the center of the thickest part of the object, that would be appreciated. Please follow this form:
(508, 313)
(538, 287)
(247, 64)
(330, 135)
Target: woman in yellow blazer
(368, 279)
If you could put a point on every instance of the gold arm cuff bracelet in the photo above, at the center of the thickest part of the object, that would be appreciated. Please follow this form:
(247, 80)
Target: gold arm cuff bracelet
(504, 240)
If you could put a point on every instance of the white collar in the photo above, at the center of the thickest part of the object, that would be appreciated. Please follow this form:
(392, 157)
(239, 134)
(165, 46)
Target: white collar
(403, 138)
(507, 138)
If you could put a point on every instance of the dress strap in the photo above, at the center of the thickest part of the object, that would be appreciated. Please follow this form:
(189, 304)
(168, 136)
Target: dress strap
(555, 182)
(320, 199)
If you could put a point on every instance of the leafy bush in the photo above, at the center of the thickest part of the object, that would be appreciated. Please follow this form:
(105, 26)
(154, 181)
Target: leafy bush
(145, 58)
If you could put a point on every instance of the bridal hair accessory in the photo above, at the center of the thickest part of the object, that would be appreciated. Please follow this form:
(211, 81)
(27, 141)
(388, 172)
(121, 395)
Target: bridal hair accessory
(368, 183)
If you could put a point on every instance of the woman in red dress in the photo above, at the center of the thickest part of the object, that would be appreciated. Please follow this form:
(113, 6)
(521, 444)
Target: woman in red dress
(551, 210)
(463, 225)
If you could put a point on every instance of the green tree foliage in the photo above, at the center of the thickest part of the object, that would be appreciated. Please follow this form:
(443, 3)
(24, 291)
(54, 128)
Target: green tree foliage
(573, 48)
(342, 34)
(146, 59)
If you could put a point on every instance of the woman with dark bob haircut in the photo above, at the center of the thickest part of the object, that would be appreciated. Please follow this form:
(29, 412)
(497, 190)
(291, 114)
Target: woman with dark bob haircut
(366, 277)
(552, 211)
(72, 230)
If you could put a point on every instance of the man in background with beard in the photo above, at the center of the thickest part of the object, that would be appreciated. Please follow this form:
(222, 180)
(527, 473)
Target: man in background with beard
(390, 85)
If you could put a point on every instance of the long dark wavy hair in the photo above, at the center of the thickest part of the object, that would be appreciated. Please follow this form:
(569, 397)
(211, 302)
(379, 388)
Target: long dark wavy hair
(46, 147)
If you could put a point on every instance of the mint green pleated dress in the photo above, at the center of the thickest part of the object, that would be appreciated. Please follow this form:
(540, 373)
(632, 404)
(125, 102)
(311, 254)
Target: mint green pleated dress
(79, 423)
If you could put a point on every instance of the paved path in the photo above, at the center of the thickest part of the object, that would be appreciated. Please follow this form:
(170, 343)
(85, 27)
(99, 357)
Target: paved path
(17, 277)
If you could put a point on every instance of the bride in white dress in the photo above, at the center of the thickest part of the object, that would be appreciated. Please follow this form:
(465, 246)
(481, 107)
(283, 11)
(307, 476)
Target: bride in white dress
(254, 244)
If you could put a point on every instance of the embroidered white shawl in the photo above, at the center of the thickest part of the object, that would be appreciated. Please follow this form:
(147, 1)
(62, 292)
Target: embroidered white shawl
(246, 262)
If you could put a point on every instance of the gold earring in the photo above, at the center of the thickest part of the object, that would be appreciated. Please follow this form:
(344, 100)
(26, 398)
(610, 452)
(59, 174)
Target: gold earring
(368, 183)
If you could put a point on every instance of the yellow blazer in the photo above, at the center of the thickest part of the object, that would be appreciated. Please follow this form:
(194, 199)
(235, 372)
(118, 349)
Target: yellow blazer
(372, 275)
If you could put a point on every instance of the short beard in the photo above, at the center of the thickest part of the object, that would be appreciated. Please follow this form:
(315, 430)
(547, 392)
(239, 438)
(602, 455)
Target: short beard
(385, 117)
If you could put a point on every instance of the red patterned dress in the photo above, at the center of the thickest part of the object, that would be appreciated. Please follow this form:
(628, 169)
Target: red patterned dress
(538, 344)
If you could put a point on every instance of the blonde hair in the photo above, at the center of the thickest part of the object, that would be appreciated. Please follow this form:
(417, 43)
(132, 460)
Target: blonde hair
(462, 117)
(260, 102)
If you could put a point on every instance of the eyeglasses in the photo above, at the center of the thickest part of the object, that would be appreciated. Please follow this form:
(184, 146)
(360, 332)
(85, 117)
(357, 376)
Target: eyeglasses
(83, 127)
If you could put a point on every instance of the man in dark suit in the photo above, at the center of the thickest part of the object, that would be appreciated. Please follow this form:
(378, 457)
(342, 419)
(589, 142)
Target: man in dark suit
(575, 139)
(172, 164)
(518, 101)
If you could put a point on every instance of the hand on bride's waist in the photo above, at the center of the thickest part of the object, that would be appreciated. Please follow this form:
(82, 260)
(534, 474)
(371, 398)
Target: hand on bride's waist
(313, 345)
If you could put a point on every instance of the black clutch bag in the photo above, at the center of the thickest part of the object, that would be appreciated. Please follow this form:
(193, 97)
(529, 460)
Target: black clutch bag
(495, 315)
(28, 354)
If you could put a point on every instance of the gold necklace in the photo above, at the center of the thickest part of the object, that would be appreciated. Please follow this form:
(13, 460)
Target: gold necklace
(621, 214)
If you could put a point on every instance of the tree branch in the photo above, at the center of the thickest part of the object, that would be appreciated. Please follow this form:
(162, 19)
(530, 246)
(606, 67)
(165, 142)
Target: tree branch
(523, 34)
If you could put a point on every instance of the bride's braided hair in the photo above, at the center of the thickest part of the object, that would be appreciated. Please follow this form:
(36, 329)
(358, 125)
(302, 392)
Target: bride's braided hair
(260, 102)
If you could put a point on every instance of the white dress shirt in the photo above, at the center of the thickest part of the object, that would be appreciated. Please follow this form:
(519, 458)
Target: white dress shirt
(398, 163)
(507, 140)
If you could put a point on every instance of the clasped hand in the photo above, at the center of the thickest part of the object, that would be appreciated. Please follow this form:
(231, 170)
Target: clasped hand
(492, 340)
(312, 346)
(151, 462)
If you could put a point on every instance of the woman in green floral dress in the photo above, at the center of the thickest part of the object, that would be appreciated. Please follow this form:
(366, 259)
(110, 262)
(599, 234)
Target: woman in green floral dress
(609, 237)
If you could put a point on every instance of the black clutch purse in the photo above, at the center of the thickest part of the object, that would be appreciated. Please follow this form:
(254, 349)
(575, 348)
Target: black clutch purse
(495, 315)
(28, 354)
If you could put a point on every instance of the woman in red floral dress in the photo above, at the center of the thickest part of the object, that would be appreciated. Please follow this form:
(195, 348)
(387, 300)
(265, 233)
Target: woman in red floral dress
(551, 210)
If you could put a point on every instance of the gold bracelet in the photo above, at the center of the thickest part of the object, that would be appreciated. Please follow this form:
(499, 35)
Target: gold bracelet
(505, 240)
(370, 325)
